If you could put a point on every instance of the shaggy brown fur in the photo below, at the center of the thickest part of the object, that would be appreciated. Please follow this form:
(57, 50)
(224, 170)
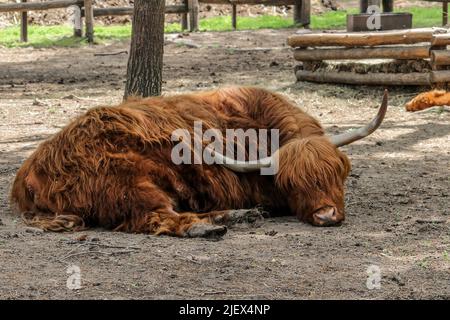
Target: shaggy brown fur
(111, 167)
(429, 99)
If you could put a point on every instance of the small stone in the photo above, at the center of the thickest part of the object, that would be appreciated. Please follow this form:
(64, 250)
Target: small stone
(35, 231)
(271, 233)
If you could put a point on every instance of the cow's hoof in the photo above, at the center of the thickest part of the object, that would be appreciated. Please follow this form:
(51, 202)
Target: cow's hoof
(205, 230)
(253, 217)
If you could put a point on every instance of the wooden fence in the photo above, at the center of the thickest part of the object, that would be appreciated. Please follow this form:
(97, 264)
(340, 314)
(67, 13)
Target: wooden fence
(86, 9)
(302, 9)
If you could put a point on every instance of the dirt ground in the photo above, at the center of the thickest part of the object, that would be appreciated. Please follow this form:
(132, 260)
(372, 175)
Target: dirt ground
(397, 198)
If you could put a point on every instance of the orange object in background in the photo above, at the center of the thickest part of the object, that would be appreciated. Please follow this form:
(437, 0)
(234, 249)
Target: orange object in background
(429, 99)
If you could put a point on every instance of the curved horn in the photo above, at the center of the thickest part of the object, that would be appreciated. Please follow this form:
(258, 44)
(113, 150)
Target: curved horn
(241, 166)
(342, 139)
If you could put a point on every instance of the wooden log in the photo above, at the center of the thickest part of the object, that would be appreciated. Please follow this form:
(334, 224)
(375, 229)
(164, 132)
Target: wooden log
(302, 13)
(440, 76)
(263, 2)
(403, 53)
(440, 40)
(234, 16)
(440, 57)
(193, 15)
(361, 38)
(407, 79)
(128, 11)
(89, 20)
(24, 25)
(33, 6)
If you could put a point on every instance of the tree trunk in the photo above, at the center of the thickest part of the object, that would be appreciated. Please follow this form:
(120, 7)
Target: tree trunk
(144, 71)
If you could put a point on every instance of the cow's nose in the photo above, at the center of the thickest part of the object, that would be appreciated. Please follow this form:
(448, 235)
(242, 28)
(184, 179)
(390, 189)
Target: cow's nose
(325, 217)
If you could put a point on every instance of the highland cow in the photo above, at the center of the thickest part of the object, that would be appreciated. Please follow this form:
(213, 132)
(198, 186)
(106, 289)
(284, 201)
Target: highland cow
(111, 167)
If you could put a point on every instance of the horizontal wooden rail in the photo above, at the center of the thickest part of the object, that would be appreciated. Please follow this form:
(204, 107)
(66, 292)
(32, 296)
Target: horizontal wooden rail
(33, 6)
(263, 2)
(125, 11)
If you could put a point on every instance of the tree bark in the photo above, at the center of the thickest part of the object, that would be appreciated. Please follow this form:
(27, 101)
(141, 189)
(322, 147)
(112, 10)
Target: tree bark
(144, 71)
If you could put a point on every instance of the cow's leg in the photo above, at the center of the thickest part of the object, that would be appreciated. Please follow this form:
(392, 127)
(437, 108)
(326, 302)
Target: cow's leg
(168, 222)
(187, 224)
(210, 225)
(253, 217)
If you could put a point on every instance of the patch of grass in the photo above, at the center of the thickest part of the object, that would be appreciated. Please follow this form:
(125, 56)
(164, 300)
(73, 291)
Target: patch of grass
(424, 263)
(425, 17)
(40, 36)
(61, 36)
(331, 19)
(223, 23)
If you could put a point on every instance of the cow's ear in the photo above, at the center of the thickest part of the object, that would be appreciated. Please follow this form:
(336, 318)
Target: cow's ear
(19, 196)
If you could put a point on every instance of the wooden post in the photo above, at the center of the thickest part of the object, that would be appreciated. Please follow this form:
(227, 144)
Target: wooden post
(193, 15)
(89, 20)
(302, 13)
(388, 5)
(184, 17)
(444, 13)
(24, 26)
(363, 5)
(234, 16)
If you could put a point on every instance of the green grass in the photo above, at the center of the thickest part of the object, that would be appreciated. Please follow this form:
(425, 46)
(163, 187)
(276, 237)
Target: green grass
(47, 36)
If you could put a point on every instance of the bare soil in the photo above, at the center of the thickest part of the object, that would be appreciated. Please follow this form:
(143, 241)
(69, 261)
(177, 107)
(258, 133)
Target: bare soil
(397, 198)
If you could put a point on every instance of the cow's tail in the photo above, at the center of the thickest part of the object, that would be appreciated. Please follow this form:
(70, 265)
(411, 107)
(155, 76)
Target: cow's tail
(55, 223)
